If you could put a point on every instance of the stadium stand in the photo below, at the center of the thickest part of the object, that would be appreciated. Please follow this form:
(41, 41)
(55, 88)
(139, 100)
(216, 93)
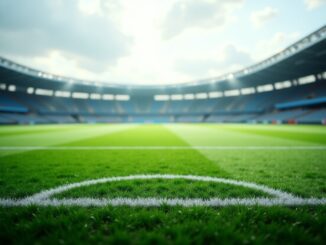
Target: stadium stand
(288, 87)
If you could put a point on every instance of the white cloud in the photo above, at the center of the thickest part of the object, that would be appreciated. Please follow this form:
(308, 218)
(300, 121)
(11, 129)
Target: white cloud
(37, 28)
(143, 41)
(313, 4)
(90, 7)
(274, 44)
(187, 14)
(260, 17)
(225, 59)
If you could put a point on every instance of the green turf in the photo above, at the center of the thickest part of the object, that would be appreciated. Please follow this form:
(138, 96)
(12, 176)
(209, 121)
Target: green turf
(163, 188)
(302, 172)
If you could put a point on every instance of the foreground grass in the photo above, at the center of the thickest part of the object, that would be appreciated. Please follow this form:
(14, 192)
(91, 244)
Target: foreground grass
(27, 172)
(165, 225)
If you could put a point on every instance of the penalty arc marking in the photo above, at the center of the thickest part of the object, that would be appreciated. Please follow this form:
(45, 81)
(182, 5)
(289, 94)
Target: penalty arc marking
(279, 198)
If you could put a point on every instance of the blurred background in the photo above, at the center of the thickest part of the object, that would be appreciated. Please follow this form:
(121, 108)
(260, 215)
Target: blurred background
(147, 61)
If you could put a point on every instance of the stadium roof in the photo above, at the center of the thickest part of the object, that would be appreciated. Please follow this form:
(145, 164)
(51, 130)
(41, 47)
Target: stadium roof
(305, 57)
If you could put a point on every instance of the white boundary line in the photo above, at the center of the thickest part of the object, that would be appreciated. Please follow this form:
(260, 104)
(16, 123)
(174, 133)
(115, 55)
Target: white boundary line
(280, 198)
(77, 148)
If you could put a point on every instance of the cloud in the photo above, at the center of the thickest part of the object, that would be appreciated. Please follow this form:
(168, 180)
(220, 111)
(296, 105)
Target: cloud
(35, 28)
(260, 17)
(121, 40)
(313, 4)
(274, 44)
(227, 59)
(186, 14)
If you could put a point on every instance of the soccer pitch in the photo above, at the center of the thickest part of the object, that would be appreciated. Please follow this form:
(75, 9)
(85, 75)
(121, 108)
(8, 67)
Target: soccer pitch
(173, 183)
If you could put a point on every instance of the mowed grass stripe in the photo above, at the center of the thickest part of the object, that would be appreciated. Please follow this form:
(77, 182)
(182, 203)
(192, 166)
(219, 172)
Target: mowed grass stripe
(296, 134)
(143, 135)
(13, 131)
(300, 171)
(73, 133)
(221, 135)
(27, 173)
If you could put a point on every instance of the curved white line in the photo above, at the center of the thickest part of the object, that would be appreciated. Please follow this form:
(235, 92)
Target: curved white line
(281, 198)
(48, 193)
(156, 202)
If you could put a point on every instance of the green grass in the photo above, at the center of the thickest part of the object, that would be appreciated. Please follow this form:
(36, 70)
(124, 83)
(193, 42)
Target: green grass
(301, 172)
(162, 188)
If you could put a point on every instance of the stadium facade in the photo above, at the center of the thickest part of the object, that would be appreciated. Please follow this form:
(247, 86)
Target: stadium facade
(289, 87)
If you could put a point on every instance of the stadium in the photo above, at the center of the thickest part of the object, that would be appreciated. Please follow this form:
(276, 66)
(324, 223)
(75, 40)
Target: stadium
(288, 87)
(237, 158)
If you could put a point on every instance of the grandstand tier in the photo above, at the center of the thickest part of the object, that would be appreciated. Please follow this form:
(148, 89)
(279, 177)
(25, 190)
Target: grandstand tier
(289, 87)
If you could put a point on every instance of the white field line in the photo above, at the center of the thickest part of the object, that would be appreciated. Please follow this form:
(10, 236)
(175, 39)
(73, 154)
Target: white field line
(157, 202)
(77, 148)
(280, 198)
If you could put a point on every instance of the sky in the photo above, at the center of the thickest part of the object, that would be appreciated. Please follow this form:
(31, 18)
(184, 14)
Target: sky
(155, 42)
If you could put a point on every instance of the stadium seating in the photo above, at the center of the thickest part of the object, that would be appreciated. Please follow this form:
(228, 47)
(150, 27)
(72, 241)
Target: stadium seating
(9, 104)
(23, 108)
(289, 87)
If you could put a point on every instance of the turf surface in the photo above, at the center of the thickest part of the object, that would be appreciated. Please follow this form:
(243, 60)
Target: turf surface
(25, 172)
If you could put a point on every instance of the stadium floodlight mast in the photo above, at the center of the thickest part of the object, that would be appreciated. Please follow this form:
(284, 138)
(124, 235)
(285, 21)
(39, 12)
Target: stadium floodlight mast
(278, 197)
